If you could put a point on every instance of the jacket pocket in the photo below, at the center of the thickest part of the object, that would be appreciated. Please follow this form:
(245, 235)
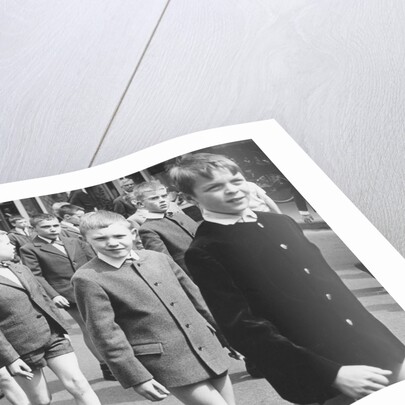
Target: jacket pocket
(147, 348)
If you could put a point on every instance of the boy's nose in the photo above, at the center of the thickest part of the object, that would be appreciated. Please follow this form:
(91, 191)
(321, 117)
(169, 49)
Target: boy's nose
(230, 189)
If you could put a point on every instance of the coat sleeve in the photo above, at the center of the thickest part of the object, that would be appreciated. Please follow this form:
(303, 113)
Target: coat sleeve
(151, 240)
(256, 337)
(99, 317)
(30, 259)
(7, 353)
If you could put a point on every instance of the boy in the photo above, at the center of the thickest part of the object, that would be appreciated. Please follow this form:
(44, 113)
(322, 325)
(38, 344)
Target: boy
(164, 231)
(141, 311)
(122, 204)
(21, 233)
(32, 335)
(70, 220)
(53, 259)
(276, 299)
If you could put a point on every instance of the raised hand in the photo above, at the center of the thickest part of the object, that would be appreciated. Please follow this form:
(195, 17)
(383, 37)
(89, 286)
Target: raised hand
(60, 301)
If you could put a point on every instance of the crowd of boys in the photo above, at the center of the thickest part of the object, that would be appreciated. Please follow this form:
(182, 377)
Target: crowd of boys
(152, 290)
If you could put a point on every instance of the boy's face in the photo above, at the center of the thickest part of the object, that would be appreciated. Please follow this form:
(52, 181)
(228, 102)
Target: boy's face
(7, 250)
(21, 224)
(128, 185)
(156, 200)
(225, 193)
(116, 241)
(48, 229)
(75, 218)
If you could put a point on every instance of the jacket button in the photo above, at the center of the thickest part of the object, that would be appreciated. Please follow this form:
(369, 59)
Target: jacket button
(349, 322)
(156, 284)
(187, 325)
(329, 297)
(284, 246)
(200, 348)
(307, 270)
(172, 304)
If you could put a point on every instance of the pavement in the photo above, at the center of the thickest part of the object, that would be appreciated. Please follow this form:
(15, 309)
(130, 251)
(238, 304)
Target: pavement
(248, 391)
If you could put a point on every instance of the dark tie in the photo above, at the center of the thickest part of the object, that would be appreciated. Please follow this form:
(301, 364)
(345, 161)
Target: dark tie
(57, 242)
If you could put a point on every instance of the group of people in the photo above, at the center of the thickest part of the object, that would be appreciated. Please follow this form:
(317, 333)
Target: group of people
(161, 299)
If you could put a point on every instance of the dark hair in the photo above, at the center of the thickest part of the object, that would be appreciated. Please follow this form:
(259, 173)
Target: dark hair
(187, 168)
(13, 219)
(68, 209)
(37, 218)
(100, 219)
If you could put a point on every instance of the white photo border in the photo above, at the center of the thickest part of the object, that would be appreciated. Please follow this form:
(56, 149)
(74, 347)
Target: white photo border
(352, 227)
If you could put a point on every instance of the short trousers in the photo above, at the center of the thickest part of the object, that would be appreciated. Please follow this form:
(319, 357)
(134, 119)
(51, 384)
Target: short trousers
(57, 345)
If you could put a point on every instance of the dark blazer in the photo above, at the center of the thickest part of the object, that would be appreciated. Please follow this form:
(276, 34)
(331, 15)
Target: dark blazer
(121, 205)
(279, 303)
(23, 315)
(82, 199)
(53, 268)
(19, 240)
(143, 320)
(171, 235)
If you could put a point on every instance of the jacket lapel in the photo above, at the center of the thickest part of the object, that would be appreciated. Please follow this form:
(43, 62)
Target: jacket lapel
(47, 247)
(17, 273)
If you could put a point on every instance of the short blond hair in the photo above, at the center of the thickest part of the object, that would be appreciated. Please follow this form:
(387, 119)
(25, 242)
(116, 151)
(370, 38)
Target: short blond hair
(100, 219)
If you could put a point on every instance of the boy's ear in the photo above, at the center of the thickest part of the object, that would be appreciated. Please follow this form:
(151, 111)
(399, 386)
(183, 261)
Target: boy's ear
(189, 198)
(134, 233)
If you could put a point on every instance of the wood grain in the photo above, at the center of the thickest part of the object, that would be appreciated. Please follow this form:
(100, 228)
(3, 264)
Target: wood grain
(330, 72)
(64, 66)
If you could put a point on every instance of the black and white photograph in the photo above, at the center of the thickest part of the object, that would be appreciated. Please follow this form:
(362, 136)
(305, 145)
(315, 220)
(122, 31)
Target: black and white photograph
(205, 279)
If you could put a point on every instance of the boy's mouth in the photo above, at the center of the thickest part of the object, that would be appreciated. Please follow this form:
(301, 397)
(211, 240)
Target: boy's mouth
(236, 199)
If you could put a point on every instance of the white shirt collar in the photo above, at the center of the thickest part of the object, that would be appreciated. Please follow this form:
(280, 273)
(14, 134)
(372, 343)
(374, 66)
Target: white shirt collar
(158, 215)
(229, 219)
(48, 240)
(69, 224)
(117, 263)
(155, 215)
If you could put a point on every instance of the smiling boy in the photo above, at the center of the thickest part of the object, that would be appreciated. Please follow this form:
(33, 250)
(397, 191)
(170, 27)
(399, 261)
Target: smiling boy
(275, 297)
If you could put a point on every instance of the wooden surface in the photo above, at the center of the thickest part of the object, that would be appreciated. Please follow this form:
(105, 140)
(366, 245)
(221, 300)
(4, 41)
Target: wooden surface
(86, 82)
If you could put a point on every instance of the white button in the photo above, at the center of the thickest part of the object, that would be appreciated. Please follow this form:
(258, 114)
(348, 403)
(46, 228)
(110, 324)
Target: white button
(283, 246)
(307, 270)
(349, 322)
(328, 296)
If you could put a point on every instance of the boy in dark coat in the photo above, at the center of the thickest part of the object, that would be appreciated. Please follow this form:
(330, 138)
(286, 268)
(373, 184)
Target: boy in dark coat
(275, 297)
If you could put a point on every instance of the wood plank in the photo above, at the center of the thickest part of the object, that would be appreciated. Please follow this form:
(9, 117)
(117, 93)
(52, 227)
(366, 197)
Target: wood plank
(64, 66)
(330, 72)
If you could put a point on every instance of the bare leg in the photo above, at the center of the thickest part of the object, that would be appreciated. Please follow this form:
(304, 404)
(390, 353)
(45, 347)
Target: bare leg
(74, 313)
(67, 370)
(224, 386)
(12, 391)
(36, 389)
(204, 393)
